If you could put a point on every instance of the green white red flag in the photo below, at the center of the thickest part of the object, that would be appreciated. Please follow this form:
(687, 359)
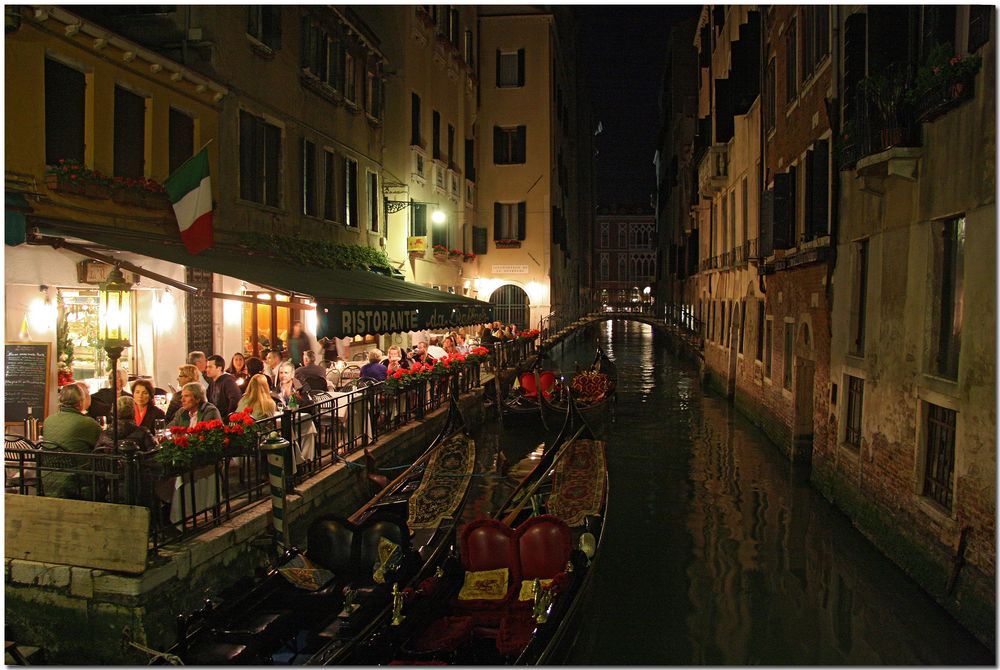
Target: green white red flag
(190, 190)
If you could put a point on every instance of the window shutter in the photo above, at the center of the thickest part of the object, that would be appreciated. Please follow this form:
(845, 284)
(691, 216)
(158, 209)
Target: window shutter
(272, 27)
(520, 67)
(820, 189)
(784, 203)
(521, 147)
(521, 216)
(479, 245)
(808, 186)
(497, 231)
(498, 68)
(497, 139)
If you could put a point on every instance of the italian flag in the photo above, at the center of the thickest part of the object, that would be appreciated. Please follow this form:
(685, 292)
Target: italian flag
(190, 191)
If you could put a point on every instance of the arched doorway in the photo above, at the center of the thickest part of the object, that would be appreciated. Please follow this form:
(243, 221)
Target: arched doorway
(510, 305)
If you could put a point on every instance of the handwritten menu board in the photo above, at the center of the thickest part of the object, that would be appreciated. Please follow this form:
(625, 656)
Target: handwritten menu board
(26, 380)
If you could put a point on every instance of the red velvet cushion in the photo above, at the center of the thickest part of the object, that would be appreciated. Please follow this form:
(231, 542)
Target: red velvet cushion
(487, 544)
(544, 545)
(445, 634)
(528, 384)
(548, 380)
(515, 633)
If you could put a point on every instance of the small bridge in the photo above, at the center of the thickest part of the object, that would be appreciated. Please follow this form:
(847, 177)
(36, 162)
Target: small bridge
(687, 330)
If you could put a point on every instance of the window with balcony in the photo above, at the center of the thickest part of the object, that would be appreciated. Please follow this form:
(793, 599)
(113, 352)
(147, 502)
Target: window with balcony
(181, 138)
(129, 133)
(264, 25)
(948, 246)
(939, 454)
(510, 68)
(509, 220)
(260, 160)
(308, 181)
(509, 145)
(351, 192)
(855, 401)
(65, 104)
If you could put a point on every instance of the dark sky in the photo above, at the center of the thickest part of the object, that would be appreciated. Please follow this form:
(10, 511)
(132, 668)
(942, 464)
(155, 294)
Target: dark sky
(626, 47)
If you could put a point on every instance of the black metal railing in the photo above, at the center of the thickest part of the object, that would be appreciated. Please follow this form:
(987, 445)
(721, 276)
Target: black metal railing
(186, 501)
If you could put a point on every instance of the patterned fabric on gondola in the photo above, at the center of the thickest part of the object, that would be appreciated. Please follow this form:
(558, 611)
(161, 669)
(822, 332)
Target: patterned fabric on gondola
(590, 387)
(577, 484)
(444, 483)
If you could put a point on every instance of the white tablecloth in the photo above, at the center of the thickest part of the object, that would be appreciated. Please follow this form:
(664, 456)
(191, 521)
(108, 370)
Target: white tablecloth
(204, 494)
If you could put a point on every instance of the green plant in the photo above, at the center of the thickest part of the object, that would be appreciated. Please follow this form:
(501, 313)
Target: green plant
(320, 253)
(888, 91)
(943, 68)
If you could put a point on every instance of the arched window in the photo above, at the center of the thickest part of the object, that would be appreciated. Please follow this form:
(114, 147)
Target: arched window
(622, 274)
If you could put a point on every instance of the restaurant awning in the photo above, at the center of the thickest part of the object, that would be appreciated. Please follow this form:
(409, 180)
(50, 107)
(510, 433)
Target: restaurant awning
(348, 302)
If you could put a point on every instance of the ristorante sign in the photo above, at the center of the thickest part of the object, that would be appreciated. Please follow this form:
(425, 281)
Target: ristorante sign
(336, 320)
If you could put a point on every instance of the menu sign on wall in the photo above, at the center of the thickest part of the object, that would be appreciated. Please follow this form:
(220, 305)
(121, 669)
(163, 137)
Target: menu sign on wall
(26, 380)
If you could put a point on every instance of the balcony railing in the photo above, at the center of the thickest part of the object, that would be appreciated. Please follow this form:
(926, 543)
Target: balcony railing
(713, 170)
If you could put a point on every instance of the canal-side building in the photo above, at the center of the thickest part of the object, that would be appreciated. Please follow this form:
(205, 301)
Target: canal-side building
(625, 255)
(911, 449)
(677, 237)
(533, 170)
(429, 137)
(85, 106)
(728, 287)
(300, 141)
(790, 389)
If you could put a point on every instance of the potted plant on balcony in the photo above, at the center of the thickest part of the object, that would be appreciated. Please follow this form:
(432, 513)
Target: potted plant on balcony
(468, 258)
(441, 252)
(888, 93)
(944, 80)
(68, 175)
(455, 254)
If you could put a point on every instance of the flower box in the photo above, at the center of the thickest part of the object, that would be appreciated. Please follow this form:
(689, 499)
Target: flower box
(507, 244)
(943, 97)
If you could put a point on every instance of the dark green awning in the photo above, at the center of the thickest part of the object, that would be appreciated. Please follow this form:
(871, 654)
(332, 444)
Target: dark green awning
(14, 227)
(349, 302)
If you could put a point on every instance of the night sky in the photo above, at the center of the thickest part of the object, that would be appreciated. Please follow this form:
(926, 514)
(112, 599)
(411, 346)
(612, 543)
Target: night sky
(627, 50)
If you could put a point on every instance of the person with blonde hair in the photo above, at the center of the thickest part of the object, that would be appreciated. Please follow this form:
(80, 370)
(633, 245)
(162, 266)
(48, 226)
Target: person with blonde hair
(185, 375)
(257, 398)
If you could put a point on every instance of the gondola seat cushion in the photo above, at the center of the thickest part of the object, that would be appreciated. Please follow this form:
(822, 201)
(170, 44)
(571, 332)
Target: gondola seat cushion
(484, 545)
(515, 633)
(485, 585)
(444, 634)
(528, 386)
(548, 381)
(544, 545)
(214, 652)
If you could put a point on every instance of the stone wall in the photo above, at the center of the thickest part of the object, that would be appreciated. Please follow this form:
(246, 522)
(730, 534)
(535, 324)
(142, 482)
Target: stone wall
(78, 615)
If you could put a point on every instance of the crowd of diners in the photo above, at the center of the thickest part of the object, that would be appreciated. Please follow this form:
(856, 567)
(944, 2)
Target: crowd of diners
(208, 387)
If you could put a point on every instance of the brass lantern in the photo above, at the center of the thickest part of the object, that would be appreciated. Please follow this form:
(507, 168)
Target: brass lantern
(114, 312)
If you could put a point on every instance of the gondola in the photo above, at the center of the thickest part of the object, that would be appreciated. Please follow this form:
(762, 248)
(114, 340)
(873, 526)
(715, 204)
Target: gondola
(511, 589)
(531, 382)
(594, 390)
(314, 603)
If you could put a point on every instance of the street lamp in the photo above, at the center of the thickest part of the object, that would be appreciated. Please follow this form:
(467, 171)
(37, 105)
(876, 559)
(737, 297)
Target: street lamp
(114, 318)
(438, 216)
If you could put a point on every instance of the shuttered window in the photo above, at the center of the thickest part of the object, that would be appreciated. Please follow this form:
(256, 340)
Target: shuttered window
(130, 133)
(65, 90)
(510, 68)
(508, 221)
(181, 138)
(509, 145)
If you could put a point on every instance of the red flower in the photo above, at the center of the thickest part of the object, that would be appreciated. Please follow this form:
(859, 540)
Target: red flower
(247, 419)
(214, 423)
(235, 416)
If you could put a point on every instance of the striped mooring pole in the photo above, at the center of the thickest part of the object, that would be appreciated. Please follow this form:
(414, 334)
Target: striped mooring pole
(277, 450)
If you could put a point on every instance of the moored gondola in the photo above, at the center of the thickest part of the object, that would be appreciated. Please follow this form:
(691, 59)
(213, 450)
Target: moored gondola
(531, 382)
(594, 390)
(314, 603)
(511, 589)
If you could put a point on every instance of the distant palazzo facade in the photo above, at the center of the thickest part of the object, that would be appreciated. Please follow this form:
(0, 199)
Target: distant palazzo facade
(625, 254)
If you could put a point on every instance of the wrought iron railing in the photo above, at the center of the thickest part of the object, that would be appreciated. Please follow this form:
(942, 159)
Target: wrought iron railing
(186, 501)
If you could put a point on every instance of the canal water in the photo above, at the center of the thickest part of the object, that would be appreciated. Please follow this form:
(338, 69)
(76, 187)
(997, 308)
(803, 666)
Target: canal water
(716, 550)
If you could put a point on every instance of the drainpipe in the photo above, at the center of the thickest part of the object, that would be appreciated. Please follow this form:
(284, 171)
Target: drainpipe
(833, 112)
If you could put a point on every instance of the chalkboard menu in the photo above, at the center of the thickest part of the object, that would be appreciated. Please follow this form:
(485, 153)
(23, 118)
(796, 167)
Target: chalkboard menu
(26, 380)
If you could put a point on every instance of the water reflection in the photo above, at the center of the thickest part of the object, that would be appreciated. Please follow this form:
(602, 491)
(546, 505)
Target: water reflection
(718, 552)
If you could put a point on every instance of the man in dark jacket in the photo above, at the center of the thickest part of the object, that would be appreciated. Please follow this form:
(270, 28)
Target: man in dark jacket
(223, 391)
(311, 374)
